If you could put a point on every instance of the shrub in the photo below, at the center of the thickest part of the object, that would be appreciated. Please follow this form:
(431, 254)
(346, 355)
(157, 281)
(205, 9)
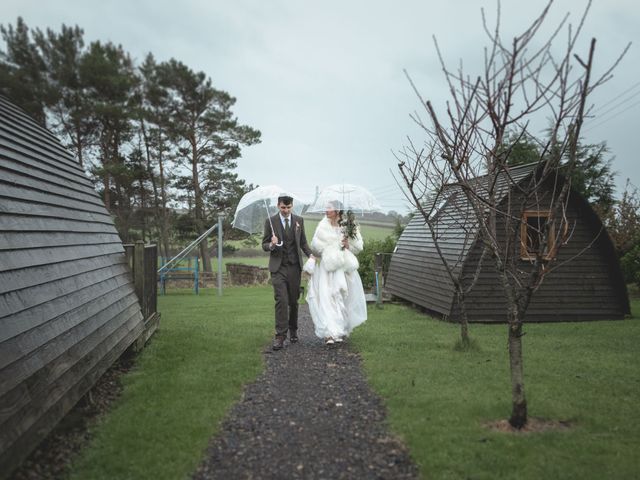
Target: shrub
(228, 249)
(367, 258)
(251, 241)
(630, 263)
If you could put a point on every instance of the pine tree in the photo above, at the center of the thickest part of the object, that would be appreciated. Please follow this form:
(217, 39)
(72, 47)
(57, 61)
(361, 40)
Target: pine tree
(207, 135)
(23, 73)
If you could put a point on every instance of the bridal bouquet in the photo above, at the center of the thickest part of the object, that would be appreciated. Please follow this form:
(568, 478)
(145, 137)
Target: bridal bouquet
(349, 226)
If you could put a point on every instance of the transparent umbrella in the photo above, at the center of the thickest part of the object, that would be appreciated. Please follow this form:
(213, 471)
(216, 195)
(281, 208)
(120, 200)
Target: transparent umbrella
(258, 205)
(352, 197)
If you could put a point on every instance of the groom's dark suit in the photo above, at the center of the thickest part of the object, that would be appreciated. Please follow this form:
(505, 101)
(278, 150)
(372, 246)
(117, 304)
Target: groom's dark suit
(285, 264)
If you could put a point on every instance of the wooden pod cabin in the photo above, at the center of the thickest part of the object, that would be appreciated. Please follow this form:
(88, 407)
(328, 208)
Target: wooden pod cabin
(587, 287)
(67, 304)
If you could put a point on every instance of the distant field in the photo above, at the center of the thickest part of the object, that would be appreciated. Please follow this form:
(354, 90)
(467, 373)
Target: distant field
(364, 221)
(254, 255)
(259, 259)
(370, 231)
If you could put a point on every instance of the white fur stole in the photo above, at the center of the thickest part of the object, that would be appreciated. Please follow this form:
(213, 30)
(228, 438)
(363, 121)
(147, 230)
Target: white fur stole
(327, 244)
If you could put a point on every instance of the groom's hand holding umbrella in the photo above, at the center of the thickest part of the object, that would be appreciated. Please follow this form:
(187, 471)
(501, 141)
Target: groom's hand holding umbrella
(274, 242)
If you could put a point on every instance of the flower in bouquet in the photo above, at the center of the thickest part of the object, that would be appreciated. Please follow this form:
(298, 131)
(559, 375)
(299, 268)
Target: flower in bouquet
(349, 226)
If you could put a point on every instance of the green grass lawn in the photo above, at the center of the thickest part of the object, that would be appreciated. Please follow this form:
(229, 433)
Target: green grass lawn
(182, 385)
(439, 399)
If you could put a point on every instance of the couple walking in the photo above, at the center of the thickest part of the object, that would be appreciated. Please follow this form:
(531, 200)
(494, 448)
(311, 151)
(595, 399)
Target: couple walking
(335, 294)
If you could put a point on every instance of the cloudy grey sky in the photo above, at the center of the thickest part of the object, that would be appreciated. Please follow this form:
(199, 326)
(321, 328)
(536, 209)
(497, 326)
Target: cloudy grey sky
(324, 82)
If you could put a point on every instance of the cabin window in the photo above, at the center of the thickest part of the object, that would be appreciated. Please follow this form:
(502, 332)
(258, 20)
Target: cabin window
(531, 228)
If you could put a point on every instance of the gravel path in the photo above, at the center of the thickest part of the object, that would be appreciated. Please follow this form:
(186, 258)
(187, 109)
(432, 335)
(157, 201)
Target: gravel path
(310, 415)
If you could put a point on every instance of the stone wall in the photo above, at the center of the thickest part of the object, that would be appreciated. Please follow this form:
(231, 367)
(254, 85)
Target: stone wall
(241, 274)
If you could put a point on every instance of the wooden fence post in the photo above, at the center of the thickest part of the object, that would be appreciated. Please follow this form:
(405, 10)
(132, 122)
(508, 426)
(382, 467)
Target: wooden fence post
(151, 278)
(378, 270)
(128, 251)
(145, 280)
(138, 274)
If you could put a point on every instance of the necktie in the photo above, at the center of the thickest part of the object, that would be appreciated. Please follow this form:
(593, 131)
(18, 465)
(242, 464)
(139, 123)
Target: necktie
(286, 225)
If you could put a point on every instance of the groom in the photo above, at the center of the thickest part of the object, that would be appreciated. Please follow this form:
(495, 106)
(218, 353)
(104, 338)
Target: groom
(286, 242)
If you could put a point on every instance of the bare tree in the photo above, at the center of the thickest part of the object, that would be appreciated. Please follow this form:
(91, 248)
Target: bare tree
(427, 179)
(521, 220)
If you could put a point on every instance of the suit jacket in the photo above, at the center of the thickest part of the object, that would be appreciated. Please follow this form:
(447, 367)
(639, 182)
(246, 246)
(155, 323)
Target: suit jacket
(275, 258)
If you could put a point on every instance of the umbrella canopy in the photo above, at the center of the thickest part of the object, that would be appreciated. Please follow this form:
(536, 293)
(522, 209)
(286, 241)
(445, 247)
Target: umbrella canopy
(352, 197)
(258, 205)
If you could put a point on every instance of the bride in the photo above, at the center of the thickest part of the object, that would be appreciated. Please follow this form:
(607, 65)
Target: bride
(335, 294)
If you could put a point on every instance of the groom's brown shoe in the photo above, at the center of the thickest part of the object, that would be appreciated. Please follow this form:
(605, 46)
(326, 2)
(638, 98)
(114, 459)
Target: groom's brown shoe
(293, 336)
(278, 342)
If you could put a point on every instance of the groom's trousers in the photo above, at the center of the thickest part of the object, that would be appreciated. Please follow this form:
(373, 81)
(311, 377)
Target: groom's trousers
(286, 290)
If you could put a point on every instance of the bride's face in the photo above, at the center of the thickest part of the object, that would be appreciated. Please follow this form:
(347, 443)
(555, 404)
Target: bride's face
(331, 213)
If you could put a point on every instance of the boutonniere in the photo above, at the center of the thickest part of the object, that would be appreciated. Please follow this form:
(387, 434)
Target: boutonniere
(297, 226)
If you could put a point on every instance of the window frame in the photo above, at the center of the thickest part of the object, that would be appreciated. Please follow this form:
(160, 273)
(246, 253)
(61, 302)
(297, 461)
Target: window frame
(527, 253)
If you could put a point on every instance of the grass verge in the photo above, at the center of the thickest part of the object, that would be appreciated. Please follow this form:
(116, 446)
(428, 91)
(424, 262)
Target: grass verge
(182, 385)
(439, 399)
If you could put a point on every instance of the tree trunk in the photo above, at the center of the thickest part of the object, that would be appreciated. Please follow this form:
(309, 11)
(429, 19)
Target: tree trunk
(519, 403)
(164, 224)
(157, 213)
(143, 209)
(107, 190)
(199, 209)
(464, 322)
(164, 211)
(79, 150)
(123, 205)
(204, 255)
(106, 166)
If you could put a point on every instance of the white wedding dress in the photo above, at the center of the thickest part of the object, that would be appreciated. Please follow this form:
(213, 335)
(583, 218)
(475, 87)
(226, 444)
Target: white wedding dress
(335, 294)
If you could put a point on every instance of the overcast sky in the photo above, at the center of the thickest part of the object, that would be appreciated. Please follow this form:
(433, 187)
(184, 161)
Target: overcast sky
(324, 82)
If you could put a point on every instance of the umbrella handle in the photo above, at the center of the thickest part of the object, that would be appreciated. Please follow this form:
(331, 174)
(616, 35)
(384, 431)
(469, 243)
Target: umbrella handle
(273, 233)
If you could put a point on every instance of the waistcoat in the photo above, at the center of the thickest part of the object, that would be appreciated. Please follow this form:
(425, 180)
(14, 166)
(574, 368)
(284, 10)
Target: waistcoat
(289, 249)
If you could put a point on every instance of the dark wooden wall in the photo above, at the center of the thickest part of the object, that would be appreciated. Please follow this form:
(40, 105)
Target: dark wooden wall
(587, 284)
(416, 273)
(589, 287)
(67, 304)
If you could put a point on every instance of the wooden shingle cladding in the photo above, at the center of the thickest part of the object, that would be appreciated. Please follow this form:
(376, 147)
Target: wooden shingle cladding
(416, 268)
(588, 287)
(67, 304)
